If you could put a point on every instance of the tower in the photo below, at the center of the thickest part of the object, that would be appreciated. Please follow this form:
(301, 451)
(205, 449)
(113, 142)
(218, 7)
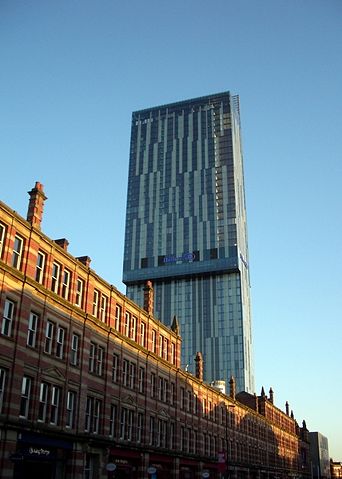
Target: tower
(186, 230)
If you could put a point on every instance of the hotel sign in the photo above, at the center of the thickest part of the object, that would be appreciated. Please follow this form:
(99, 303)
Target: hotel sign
(185, 257)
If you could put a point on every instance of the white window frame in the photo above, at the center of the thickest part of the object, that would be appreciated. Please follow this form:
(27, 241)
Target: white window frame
(55, 276)
(66, 284)
(96, 303)
(40, 267)
(142, 333)
(25, 396)
(118, 311)
(55, 405)
(140, 425)
(141, 380)
(70, 409)
(125, 371)
(43, 401)
(2, 238)
(92, 356)
(79, 292)
(60, 342)
(132, 374)
(8, 318)
(3, 377)
(115, 366)
(133, 328)
(32, 329)
(17, 251)
(75, 344)
(103, 308)
(113, 420)
(153, 340)
(127, 323)
(49, 335)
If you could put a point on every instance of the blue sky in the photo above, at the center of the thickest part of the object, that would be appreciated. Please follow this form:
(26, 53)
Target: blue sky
(72, 72)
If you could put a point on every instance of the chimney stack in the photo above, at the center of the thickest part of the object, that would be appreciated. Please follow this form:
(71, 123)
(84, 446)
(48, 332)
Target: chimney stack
(36, 205)
(148, 298)
(199, 366)
(86, 260)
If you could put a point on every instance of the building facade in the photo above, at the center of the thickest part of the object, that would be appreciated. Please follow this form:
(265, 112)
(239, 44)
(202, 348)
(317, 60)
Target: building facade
(91, 385)
(186, 230)
(320, 457)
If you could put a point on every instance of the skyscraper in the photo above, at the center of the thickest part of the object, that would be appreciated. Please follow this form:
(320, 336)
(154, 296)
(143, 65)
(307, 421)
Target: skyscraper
(186, 230)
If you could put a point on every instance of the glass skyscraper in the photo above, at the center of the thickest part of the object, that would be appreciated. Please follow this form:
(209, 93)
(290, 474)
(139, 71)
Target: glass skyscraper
(186, 230)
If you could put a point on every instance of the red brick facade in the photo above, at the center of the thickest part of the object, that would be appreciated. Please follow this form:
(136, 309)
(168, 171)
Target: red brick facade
(90, 381)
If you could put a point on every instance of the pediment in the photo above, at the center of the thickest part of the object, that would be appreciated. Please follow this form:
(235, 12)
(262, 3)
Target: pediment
(53, 373)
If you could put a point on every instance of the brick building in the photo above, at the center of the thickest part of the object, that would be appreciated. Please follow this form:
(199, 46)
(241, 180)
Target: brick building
(91, 384)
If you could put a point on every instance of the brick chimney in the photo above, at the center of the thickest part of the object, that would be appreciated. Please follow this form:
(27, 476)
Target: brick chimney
(84, 260)
(36, 205)
(63, 243)
(148, 298)
(199, 366)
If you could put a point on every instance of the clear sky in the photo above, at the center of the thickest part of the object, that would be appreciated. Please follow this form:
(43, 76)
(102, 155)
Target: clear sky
(72, 72)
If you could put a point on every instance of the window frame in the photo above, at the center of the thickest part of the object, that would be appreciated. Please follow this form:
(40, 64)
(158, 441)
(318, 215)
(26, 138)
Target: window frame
(32, 329)
(8, 317)
(17, 253)
(40, 267)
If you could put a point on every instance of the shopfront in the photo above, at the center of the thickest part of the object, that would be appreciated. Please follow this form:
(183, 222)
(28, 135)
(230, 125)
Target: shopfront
(40, 456)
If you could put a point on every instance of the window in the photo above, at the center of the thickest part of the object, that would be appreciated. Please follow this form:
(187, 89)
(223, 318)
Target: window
(17, 252)
(55, 402)
(166, 348)
(133, 334)
(43, 402)
(126, 424)
(113, 420)
(142, 333)
(56, 269)
(152, 431)
(125, 365)
(70, 409)
(153, 385)
(2, 238)
(140, 425)
(141, 385)
(92, 416)
(132, 373)
(7, 319)
(75, 344)
(60, 342)
(79, 292)
(96, 355)
(25, 396)
(115, 368)
(117, 317)
(49, 333)
(153, 341)
(96, 303)
(40, 266)
(161, 340)
(172, 393)
(66, 284)
(103, 308)
(173, 353)
(182, 398)
(32, 330)
(127, 323)
(3, 374)
(49, 403)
